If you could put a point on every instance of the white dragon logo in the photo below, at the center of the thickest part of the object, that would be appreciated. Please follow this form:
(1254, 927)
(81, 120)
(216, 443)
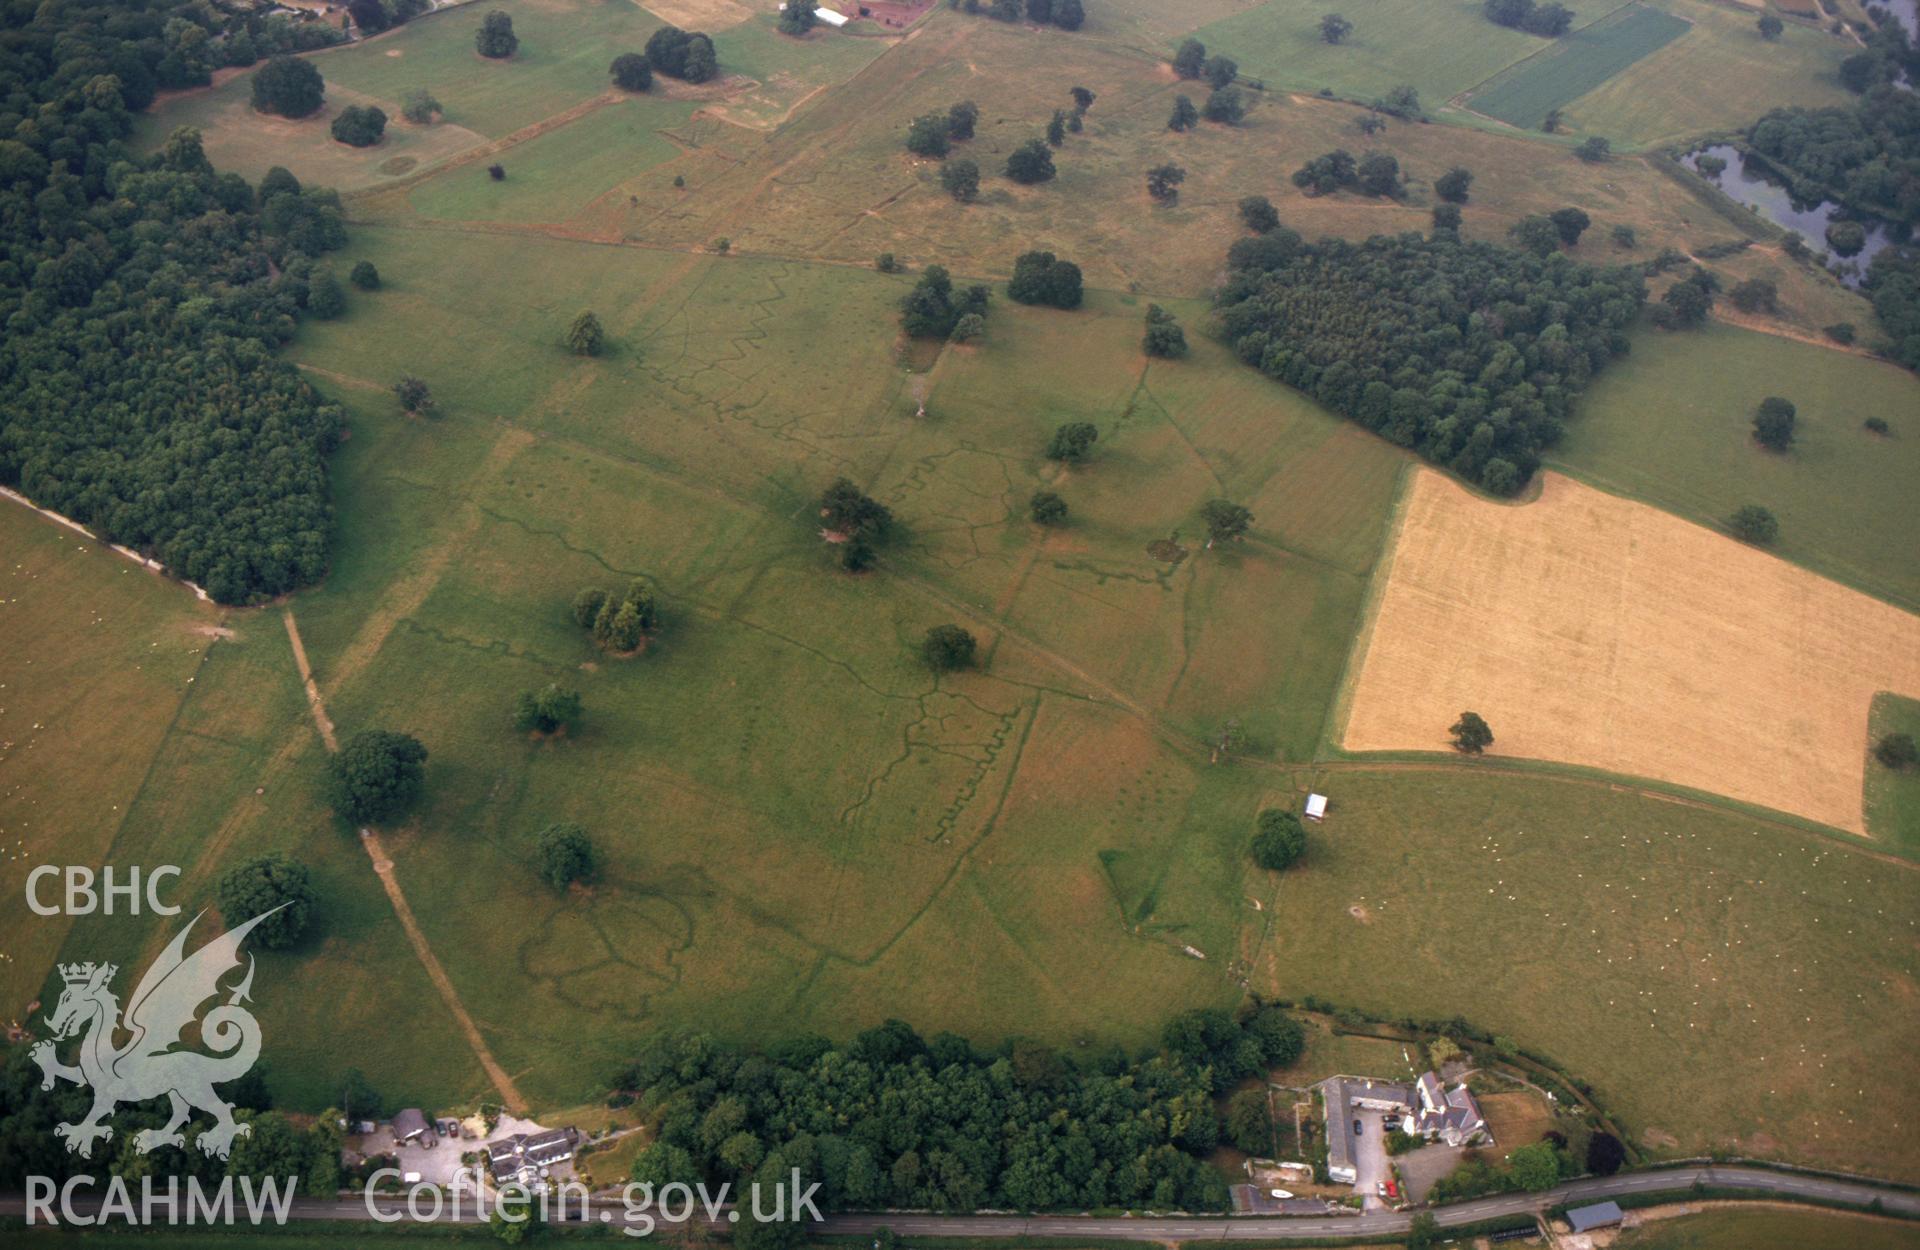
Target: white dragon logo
(166, 1001)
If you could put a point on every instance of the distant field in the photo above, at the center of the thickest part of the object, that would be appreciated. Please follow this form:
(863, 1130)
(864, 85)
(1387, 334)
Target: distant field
(1718, 76)
(100, 655)
(1772, 1229)
(1576, 64)
(1593, 630)
(1893, 798)
(1440, 47)
(555, 176)
(1673, 426)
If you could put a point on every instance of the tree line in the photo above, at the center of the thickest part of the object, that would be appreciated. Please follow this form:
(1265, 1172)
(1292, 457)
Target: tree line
(891, 1119)
(1066, 14)
(1866, 156)
(1468, 353)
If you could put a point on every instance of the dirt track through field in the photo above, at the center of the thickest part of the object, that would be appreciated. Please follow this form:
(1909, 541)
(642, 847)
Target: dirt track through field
(383, 868)
(1594, 630)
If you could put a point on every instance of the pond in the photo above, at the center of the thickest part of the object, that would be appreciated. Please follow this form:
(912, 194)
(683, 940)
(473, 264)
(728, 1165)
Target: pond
(1772, 201)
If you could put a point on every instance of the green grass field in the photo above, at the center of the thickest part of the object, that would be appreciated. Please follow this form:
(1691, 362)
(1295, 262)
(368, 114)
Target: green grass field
(1570, 67)
(807, 830)
(1440, 47)
(1719, 76)
(1673, 426)
(1771, 1230)
(1893, 798)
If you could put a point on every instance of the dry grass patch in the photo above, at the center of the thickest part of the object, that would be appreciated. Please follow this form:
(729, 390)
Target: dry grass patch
(1593, 630)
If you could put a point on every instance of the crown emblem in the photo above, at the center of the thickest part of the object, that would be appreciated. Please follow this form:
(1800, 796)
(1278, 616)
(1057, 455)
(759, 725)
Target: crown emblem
(80, 974)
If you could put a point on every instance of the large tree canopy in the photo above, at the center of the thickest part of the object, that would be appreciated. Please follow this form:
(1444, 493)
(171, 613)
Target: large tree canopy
(143, 297)
(1470, 354)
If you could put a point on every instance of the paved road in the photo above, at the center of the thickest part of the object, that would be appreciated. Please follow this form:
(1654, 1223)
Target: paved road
(1762, 1182)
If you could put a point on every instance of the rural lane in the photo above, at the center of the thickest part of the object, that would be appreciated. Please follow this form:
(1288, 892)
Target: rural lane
(1761, 1181)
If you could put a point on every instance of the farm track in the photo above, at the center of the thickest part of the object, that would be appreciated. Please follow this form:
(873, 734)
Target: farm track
(402, 910)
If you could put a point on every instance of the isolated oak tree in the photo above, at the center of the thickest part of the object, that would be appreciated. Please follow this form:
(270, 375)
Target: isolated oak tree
(416, 397)
(1334, 28)
(1453, 185)
(1072, 442)
(1754, 524)
(1773, 423)
(797, 17)
(1259, 215)
(1896, 751)
(631, 72)
(1047, 508)
(1184, 114)
(376, 775)
(546, 710)
(288, 86)
(262, 884)
(584, 336)
(960, 178)
(1190, 58)
(1470, 734)
(1279, 840)
(1164, 337)
(947, 648)
(566, 854)
(1163, 182)
(1031, 163)
(1226, 521)
(495, 38)
(1771, 27)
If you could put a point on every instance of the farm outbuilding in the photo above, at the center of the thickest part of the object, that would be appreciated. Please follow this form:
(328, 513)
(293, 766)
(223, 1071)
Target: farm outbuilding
(1316, 807)
(1599, 1215)
(828, 16)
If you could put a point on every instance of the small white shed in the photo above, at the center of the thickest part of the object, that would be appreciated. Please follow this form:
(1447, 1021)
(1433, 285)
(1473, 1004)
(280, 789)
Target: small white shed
(831, 16)
(1316, 806)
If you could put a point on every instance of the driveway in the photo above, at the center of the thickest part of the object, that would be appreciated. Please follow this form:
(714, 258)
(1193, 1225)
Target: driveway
(1419, 1169)
(1370, 1158)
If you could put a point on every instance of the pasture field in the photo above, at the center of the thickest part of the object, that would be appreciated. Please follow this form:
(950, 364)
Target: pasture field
(1720, 75)
(1701, 941)
(1579, 62)
(1731, 1228)
(1673, 426)
(1893, 798)
(100, 657)
(1440, 47)
(1594, 630)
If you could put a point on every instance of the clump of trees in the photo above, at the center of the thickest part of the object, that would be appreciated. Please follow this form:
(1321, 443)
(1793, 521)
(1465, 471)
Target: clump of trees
(376, 775)
(948, 648)
(1164, 337)
(1754, 524)
(619, 622)
(261, 885)
(1279, 840)
(1163, 182)
(495, 39)
(1047, 508)
(1595, 149)
(686, 55)
(1066, 14)
(419, 107)
(1470, 734)
(1773, 423)
(1225, 520)
(933, 309)
(288, 86)
(1893, 284)
(1334, 29)
(1862, 156)
(1327, 173)
(567, 855)
(631, 71)
(364, 275)
(359, 125)
(415, 396)
(1258, 214)
(1043, 278)
(1226, 105)
(547, 710)
(1072, 442)
(856, 519)
(1755, 295)
(1453, 185)
(1468, 353)
(1021, 1127)
(1550, 21)
(1184, 115)
(1687, 302)
(1031, 163)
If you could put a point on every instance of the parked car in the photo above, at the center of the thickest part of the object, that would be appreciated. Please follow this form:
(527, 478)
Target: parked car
(1279, 1193)
(1358, 1128)
(1380, 1188)
(1393, 1189)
